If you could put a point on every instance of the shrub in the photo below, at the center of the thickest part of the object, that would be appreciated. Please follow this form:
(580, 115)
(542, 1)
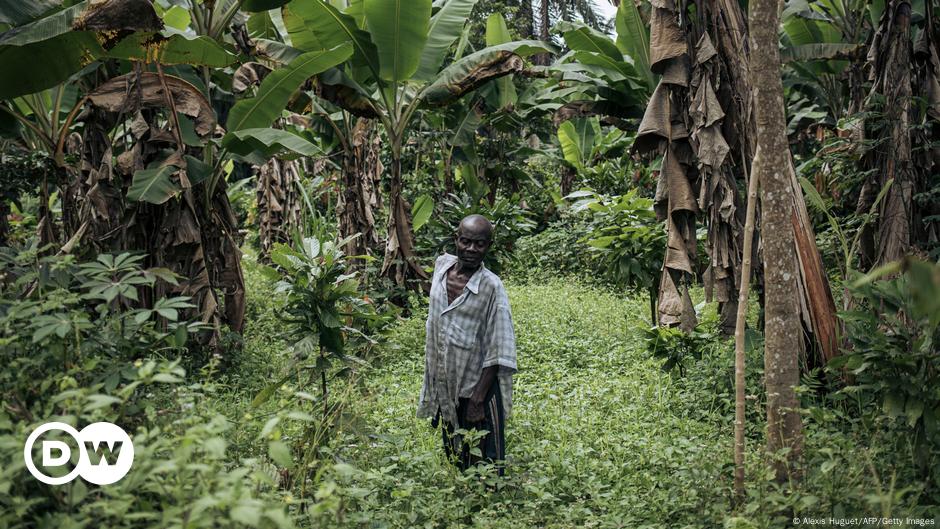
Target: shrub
(75, 351)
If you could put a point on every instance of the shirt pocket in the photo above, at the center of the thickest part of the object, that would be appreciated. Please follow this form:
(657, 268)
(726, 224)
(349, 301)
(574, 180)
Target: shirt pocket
(464, 336)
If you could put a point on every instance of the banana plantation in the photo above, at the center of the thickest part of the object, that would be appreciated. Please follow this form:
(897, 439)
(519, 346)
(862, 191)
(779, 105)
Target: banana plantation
(469, 263)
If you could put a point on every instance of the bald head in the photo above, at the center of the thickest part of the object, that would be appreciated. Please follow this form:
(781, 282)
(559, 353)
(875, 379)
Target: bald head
(476, 225)
(474, 237)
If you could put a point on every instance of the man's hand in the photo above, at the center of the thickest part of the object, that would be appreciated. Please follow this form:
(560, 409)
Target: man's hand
(475, 411)
(475, 406)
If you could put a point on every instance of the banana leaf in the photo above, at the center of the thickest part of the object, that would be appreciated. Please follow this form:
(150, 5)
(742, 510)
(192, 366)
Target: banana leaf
(582, 38)
(41, 65)
(399, 29)
(276, 89)
(476, 69)
(444, 29)
(175, 49)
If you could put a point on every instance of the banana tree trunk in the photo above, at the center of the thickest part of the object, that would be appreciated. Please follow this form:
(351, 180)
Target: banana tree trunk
(358, 198)
(279, 202)
(400, 264)
(889, 238)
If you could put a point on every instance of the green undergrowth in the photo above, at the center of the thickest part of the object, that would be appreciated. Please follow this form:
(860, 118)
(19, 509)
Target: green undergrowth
(598, 436)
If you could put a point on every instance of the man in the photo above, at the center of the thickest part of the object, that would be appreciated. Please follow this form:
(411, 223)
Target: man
(470, 349)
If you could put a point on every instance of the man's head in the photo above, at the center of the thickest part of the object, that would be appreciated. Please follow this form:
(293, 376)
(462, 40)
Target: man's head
(474, 237)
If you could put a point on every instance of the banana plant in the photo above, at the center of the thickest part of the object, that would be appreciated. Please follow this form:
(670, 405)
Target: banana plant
(396, 69)
(610, 78)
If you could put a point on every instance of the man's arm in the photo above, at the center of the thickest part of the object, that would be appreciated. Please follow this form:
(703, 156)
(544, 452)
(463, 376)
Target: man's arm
(482, 389)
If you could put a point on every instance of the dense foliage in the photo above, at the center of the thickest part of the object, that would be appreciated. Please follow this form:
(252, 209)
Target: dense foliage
(218, 218)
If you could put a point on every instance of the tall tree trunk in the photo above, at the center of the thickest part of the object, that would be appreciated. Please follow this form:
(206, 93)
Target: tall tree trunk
(544, 25)
(889, 238)
(358, 198)
(782, 336)
(525, 22)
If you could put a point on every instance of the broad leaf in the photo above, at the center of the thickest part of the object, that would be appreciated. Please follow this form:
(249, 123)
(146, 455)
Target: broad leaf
(153, 185)
(570, 144)
(45, 28)
(276, 89)
(814, 52)
(399, 29)
(444, 29)
(280, 454)
(421, 211)
(633, 40)
(176, 49)
(327, 27)
(497, 33)
(582, 38)
(16, 12)
(265, 143)
(42, 65)
(277, 51)
(476, 69)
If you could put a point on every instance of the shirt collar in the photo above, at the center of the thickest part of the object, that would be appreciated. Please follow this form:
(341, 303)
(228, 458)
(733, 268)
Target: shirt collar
(473, 284)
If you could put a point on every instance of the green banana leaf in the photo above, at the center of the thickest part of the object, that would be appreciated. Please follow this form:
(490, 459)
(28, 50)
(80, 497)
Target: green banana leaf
(326, 27)
(497, 33)
(468, 73)
(444, 29)
(399, 29)
(633, 40)
(582, 38)
(48, 63)
(176, 49)
(261, 144)
(276, 89)
(43, 29)
(154, 185)
(576, 137)
(421, 211)
(16, 12)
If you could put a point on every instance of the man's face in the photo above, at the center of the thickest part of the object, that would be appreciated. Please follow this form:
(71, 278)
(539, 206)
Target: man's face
(472, 245)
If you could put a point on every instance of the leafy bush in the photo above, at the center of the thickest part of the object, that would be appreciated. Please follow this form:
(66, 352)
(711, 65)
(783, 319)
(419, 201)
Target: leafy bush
(510, 222)
(677, 348)
(892, 360)
(555, 251)
(90, 357)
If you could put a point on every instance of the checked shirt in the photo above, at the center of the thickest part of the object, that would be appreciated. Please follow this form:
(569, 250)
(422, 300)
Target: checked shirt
(464, 337)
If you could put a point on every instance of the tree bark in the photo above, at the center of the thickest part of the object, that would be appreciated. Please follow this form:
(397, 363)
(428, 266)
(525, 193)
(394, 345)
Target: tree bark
(544, 24)
(782, 336)
(889, 238)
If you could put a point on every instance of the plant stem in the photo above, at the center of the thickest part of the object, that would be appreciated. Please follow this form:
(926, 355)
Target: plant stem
(739, 329)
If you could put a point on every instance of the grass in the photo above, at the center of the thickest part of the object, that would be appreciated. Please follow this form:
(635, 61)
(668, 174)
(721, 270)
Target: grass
(598, 435)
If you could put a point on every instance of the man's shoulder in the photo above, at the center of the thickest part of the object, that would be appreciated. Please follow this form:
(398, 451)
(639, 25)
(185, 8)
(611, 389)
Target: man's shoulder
(443, 260)
(492, 282)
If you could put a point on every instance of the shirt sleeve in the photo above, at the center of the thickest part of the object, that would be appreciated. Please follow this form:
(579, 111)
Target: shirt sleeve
(500, 338)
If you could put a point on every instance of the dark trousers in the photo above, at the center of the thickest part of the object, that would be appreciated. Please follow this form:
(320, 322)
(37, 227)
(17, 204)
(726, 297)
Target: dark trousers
(492, 447)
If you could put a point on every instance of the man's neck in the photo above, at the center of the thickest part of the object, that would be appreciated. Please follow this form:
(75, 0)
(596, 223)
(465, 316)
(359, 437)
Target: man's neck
(466, 270)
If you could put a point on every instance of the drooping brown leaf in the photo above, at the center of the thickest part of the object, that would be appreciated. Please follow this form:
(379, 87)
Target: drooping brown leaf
(128, 93)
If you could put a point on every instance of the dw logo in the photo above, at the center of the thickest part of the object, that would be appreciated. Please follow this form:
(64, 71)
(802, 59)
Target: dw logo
(105, 453)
